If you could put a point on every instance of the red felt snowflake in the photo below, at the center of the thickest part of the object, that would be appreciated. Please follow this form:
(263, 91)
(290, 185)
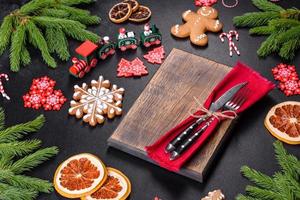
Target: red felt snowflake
(288, 77)
(205, 2)
(42, 93)
(155, 56)
(130, 69)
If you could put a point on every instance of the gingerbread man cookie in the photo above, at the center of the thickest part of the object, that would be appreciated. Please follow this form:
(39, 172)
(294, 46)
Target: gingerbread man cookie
(197, 24)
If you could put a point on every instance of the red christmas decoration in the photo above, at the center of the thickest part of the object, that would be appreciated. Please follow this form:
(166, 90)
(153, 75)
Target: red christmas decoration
(155, 56)
(130, 69)
(42, 94)
(288, 77)
(205, 2)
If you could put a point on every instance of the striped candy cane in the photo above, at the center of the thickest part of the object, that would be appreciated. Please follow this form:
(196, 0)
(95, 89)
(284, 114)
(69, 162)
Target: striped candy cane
(229, 36)
(2, 91)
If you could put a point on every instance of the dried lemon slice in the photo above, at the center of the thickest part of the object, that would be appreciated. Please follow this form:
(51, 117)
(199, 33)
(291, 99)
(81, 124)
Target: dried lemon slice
(116, 187)
(79, 175)
(283, 122)
(120, 12)
(142, 14)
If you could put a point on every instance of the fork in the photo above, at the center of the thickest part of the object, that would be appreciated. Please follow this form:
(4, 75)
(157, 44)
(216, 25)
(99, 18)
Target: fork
(232, 105)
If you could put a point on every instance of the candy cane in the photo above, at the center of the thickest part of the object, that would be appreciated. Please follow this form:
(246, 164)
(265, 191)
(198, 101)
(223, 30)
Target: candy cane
(229, 36)
(2, 91)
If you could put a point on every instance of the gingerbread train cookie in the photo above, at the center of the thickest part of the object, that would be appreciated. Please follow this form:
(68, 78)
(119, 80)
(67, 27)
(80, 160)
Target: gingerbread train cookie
(196, 24)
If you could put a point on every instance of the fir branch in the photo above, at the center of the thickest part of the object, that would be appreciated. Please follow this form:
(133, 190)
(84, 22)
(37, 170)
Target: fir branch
(290, 14)
(81, 34)
(5, 32)
(38, 40)
(289, 163)
(258, 178)
(16, 132)
(25, 56)
(265, 5)
(56, 22)
(284, 23)
(242, 197)
(292, 33)
(287, 185)
(25, 182)
(57, 42)
(28, 162)
(5, 161)
(53, 12)
(262, 30)
(19, 148)
(17, 42)
(34, 6)
(261, 194)
(8, 192)
(288, 49)
(269, 45)
(255, 19)
(2, 118)
(74, 11)
(75, 2)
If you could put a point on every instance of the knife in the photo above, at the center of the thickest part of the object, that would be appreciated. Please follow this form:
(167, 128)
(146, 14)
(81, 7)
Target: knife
(182, 138)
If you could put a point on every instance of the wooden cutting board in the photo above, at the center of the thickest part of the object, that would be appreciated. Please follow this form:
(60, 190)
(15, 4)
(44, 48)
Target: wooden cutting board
(165, 102)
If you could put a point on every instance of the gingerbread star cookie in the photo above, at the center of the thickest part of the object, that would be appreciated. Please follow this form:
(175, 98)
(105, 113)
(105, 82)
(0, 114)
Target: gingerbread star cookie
(197, 23)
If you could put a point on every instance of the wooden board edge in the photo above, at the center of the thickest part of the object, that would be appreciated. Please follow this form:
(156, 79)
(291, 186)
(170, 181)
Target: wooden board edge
(141, 155)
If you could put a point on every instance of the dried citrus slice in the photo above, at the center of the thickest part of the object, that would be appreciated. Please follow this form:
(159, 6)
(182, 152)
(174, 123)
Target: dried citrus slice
(79, 175)
(142, 14)
(283, 122)
(133, 3)
(120, 12)
(116, 187)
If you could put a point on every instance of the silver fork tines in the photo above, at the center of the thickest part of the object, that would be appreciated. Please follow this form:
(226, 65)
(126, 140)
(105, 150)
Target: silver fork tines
(238, 100)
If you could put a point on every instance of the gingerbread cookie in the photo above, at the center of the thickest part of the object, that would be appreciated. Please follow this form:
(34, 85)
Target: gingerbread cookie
(214, 195)
(197, 23)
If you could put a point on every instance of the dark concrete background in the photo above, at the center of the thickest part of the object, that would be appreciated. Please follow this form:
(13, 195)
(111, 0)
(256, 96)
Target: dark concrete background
(249, 143)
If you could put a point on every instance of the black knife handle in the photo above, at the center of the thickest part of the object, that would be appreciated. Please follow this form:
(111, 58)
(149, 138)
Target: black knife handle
(186, 133)
(190, 140)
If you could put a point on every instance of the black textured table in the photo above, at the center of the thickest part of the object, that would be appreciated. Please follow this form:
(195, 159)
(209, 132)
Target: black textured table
(249, 143)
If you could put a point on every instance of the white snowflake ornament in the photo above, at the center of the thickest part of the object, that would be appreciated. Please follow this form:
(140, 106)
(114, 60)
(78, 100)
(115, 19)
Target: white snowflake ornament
(92, 103)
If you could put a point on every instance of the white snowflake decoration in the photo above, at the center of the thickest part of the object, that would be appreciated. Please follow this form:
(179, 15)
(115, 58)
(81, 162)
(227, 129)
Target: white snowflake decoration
(92, 103)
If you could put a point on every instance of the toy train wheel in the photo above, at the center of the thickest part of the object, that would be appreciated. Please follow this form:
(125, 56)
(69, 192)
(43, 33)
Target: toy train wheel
(94, 62)
(103, 56)
(81, 74)
(157, 41)
(87, 69)
(133, 46)
(112, 52)
(123, 48)
(147, 44)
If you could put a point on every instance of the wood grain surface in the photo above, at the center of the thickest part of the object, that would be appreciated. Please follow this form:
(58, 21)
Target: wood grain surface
(165, 102)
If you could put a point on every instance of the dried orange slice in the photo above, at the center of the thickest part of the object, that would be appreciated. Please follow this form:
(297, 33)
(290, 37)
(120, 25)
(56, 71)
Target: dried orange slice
(283, 122)
(116, 187)
(133, 3)
(79, 175)
(142, 14)
(120, 12)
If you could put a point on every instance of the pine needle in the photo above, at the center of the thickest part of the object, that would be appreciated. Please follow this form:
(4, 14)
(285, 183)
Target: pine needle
(288, 49)
(8, 192)
(25, 56)
(17, 42)
(25, 182)
(255, 19)
(34, 6)
(28, 162)
(262, 30)
(261, 194)
(269, 46)
(265, 5)
(75, 2)
(5, 32)
(56, 22)
(19, 148)
(289, 163)
(54, 12)
(57, 42)
(18, 131)
(81, 34)
(258, 178)
(242, 197)
(292, 33)
(39, 41)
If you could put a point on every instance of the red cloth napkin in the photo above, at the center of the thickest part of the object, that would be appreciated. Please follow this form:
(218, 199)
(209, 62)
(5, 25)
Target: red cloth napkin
(240, 73)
